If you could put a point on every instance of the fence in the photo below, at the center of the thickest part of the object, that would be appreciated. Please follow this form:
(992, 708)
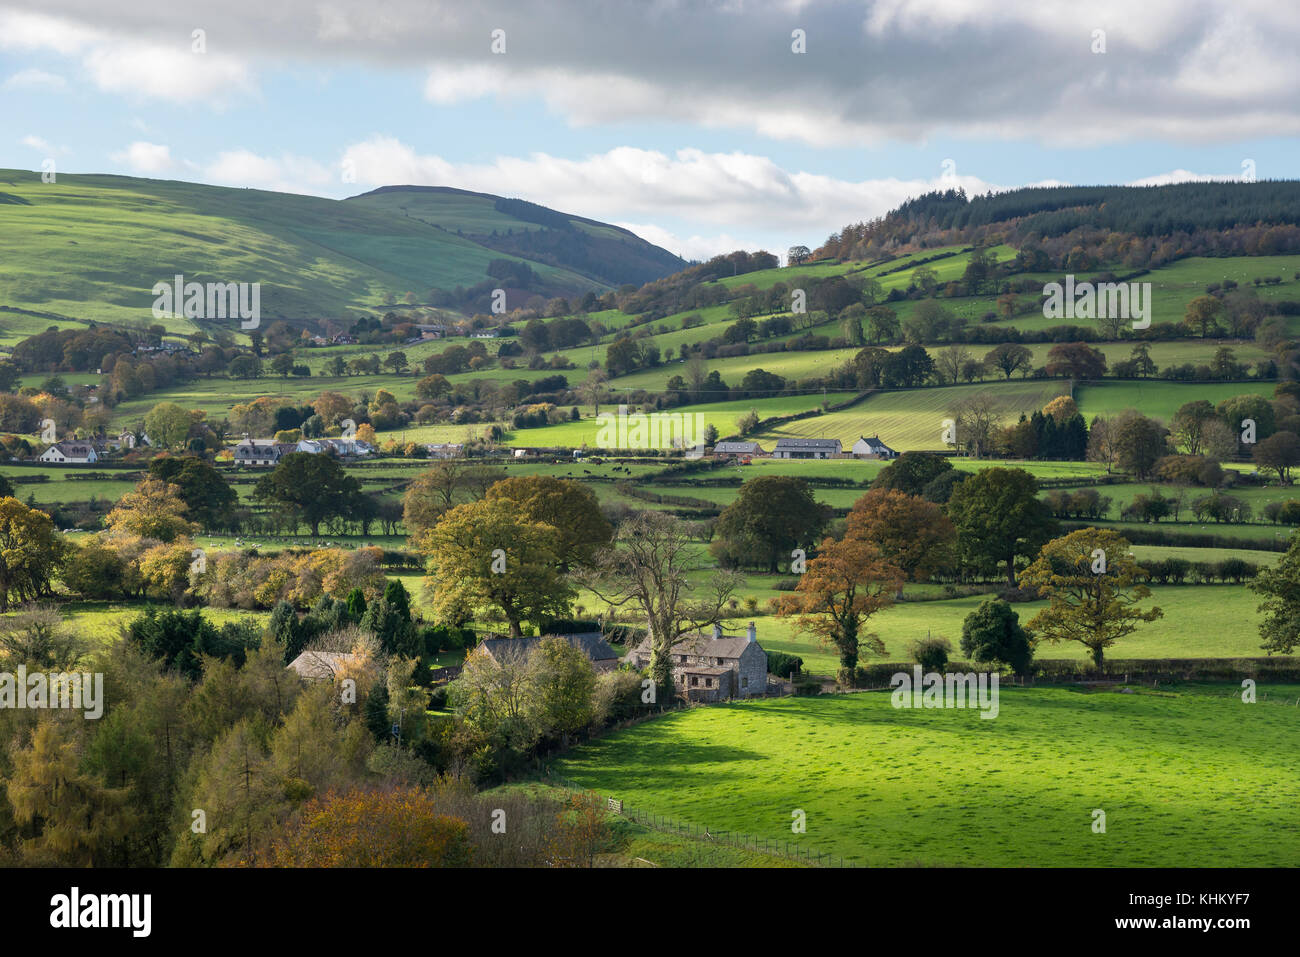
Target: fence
(786, 849)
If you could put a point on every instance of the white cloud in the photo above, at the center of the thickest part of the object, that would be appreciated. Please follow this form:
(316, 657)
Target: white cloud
(285, 173)
(34, 79)
(123, 62)
(145, 158)
(1186, 176)
(1196, 70)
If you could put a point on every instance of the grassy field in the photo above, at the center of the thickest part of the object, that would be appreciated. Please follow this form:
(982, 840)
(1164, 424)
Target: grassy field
(914, 419)
(1185, 779)
(1200, 621)
(1159, 400)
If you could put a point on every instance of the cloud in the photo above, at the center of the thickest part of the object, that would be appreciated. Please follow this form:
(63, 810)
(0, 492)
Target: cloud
(1192, 70)
(122, 61)
(145, 158)
(1187, 176)
(34, 79)
(286, 173)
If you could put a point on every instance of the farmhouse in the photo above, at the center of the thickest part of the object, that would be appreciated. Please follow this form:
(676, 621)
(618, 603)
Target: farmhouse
(738, 448)
(807, 449)
(714, 668)
(345, 448)
(445, 450)
(262, 451)
(70, 453)
(591, 643)
(318, 665)
(872, 448)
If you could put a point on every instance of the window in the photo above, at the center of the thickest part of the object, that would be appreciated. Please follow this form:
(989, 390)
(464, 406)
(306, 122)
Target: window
(744, 682)
(708, 682)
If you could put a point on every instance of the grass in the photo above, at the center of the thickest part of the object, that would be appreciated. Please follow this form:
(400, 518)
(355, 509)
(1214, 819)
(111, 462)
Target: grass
(914, 419)
(1157, 399)
(1187, 779)
(1200, 621)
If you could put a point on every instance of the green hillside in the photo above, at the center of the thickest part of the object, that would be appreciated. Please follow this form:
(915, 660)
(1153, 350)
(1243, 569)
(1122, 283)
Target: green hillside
(92, 247)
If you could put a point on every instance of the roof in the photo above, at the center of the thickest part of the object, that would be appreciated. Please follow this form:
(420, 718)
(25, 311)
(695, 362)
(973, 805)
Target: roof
(701, 670)
(874, 442)
(321, 664)
(737, 447)
(704, 646)
(807, 443)
(78, 449)
(592, 644)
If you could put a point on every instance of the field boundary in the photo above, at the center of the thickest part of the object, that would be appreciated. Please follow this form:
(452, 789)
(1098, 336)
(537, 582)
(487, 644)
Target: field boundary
(787, 850)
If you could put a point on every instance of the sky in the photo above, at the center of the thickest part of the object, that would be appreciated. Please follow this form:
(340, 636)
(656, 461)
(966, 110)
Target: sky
(702, 126)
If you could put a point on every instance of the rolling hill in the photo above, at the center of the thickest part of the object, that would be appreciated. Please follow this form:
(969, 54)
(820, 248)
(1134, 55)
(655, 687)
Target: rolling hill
(91, 247)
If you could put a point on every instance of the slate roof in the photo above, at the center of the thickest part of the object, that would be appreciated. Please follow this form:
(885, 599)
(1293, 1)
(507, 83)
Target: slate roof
(807, 444)
(321, 664)
(591, 643)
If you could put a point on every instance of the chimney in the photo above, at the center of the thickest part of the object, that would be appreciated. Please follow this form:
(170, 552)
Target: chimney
(751, 633)
(717, 631)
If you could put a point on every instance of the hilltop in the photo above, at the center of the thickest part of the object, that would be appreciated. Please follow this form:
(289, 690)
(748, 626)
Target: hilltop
(91, 247)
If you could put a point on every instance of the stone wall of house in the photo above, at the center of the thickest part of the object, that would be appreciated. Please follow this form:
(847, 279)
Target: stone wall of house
(752, 676)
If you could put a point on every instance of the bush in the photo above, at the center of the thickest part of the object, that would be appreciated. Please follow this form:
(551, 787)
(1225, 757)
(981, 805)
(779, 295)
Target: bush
(931, 652)
(783, 665)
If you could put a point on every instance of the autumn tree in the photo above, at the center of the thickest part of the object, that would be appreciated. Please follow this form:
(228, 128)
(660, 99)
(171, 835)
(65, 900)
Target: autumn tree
(154, 510)
(30, 553)
(910, 533)
(571, 508)
(486, 555)
(649, 567)
(847, 583)
(447, 484)
(1203, 314)
(1010, 358)
(1093, 586)
(208, 497)
(1279, 453)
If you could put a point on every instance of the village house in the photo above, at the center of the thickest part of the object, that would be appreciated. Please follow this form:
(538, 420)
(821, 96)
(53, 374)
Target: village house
(260, 452)
(590, 643)
(872, 448)
(70, 453)
(737, 449)
(807, 449)
(445, 450)
(344, 448)
(714, 668)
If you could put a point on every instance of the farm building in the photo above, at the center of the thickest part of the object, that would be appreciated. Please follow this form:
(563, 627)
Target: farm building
(262, 451)
(807, 449)
(591, 643)
(872, 448)
(345, 448)
(70, 453)
(714, 668)
(445, 450)
(738, 448)
(317, 665)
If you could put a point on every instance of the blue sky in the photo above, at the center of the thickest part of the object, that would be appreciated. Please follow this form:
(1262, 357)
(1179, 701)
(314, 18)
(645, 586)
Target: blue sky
(696, 124)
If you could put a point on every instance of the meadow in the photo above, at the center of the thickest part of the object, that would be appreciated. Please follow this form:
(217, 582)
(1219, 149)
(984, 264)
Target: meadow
(1186, 778)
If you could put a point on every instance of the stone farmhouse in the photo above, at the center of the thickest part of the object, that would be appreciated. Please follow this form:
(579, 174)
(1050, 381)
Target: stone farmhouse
(714, 668)
(872, 448)
(258, 452)
(807, 449)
